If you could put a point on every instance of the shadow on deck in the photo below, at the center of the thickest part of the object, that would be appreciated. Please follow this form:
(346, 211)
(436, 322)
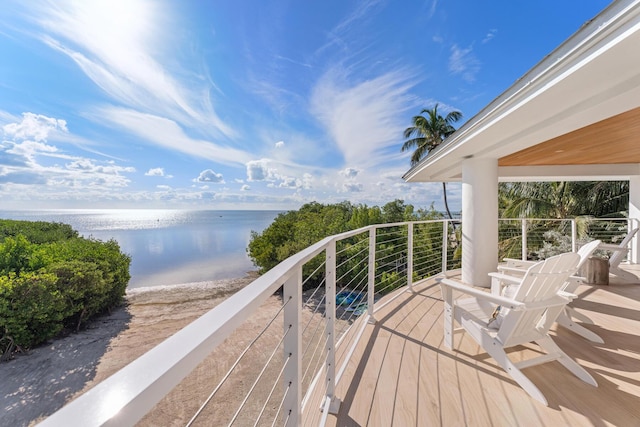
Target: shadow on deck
(401, 373)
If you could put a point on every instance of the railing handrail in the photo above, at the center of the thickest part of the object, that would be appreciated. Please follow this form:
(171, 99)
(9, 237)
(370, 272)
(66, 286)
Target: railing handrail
(125, 397)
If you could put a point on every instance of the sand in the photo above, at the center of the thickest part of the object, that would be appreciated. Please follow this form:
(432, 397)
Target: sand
(36, 384)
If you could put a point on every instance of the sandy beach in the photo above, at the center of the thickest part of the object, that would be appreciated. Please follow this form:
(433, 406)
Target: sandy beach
(37, 384)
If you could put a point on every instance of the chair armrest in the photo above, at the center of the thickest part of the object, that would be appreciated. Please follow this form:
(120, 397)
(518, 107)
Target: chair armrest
(496, 299)
(612, 247)
(506, 278)
(567, 295)
(520, 261)
(514, 270)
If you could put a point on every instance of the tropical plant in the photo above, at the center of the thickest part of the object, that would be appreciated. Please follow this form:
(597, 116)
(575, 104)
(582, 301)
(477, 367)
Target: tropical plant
(564, 199)
(426, 134)
(583, 200)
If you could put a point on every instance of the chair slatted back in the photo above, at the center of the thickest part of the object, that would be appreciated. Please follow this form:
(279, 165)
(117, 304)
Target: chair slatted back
(540, 286)
(618, 256)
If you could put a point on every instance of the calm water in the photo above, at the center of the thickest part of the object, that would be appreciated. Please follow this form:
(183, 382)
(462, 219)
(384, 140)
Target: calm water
(168, 246)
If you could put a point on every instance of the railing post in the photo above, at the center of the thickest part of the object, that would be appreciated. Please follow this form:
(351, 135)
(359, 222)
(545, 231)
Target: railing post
(372, 274)
(330, 315)
(292, 297)
(525, 249)
(574, 235)
(410, 256)
(445, 246)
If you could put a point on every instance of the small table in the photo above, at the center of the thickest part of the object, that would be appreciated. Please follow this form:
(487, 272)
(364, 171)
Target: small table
(595, 271)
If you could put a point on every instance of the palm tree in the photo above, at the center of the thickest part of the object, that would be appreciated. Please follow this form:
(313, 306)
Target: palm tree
(426, 134)
(583, 200)
(564, 199)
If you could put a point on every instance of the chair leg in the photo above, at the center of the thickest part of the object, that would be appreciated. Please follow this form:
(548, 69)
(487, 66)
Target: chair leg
(447, 296)
(566, 321)
(551, 347)
(500, 356)
(575, 314)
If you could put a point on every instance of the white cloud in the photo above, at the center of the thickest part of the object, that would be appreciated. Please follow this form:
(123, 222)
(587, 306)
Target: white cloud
(30, 159)
(363, 118)
(168, 134)
(245, 188)
(279, 144)
(290, 182)
(307, 181)
(34, 127)
(352, 187)
(155, 172)
(126, 64)
(349, 172)
(464, 63)
(490, 35)
(209, 175)
(259, 170)
(163, 187)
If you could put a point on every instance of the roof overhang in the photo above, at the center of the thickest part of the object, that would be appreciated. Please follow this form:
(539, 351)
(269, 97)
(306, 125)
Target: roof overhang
(573, 116)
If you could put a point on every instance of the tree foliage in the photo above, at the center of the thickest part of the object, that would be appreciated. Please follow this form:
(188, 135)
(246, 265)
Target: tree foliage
(551, 201)
(429, 129)
(52, 279)
(293, 231)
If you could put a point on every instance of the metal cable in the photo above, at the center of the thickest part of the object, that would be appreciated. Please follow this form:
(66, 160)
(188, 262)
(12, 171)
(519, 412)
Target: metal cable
(264, 368)
(228, 374)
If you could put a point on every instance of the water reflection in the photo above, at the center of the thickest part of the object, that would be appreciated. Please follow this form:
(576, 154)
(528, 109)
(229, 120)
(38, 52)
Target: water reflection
(167, 246)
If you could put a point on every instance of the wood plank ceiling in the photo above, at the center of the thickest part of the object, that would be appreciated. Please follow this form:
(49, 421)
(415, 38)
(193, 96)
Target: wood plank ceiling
(615, 140)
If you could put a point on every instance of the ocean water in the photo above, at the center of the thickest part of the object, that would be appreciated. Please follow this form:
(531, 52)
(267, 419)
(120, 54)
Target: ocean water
(168, 246)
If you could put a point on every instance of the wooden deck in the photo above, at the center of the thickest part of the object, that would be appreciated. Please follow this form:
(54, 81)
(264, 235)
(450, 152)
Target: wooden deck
(402, 375)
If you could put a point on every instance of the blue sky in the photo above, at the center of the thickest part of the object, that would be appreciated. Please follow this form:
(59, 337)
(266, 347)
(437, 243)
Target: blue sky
(247, 104)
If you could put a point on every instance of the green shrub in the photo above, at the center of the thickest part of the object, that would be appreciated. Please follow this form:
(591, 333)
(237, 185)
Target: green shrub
(51, 279)
(83, 288)
(36, 231)
(31, 309)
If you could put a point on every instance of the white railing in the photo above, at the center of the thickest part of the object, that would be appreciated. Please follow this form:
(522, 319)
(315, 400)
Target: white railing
(323, 289)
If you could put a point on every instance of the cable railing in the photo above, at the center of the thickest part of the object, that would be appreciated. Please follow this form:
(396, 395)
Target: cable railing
(534, 238)
(325, 295)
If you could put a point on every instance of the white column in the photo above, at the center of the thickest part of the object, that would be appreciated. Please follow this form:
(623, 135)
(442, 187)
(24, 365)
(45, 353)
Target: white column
(634, 214)
(479, 220)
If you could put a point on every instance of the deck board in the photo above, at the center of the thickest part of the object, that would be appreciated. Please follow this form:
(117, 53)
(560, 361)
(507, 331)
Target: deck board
(402, 374)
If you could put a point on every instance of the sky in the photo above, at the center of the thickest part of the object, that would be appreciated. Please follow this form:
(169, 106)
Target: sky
(247, 104)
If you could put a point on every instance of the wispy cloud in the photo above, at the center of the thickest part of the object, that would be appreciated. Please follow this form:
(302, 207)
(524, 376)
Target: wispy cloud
(363, 118)
(490, 35)
(168, 134)
(341, 35)
(463, 62)
(433, 8)
(121, 45)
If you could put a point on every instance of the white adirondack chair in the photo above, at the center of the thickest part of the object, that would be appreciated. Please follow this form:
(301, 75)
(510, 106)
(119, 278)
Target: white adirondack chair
(619, 253)
(527, 311)
(517, 268)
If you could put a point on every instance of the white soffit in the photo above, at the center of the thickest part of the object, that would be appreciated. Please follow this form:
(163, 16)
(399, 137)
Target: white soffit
(618, 172)
(594, 75)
